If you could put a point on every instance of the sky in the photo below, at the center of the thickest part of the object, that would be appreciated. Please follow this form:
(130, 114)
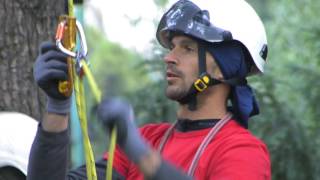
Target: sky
(113, 18)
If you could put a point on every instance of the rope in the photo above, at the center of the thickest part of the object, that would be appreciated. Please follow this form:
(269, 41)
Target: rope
(81, 108)
(70, 8)
(206, 141)
(92, 83)
(215, 129)
(77, 83)
(113, 137)
(111, 152)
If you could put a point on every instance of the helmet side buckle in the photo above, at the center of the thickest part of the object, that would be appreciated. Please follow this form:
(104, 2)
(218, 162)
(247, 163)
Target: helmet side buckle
(202, 83)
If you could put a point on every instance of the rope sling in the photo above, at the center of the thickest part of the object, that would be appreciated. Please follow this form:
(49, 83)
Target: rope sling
(66, 37)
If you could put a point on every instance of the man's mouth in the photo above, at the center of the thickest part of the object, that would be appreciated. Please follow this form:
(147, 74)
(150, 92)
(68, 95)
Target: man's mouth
(170, 74)
(171, 77)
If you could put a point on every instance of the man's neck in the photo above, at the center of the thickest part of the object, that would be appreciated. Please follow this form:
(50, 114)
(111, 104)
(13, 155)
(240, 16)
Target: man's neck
(211, 104)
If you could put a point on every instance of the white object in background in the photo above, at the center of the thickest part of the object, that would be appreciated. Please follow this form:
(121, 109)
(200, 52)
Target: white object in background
(17, 132)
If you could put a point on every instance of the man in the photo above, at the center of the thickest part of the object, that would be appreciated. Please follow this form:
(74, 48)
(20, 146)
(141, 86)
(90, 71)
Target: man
(214, 46)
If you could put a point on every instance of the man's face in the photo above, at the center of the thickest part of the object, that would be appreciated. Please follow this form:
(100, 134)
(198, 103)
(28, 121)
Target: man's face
(182, 66)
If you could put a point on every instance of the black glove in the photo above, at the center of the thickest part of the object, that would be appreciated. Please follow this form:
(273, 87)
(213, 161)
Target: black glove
(119, 113)
(50, 68)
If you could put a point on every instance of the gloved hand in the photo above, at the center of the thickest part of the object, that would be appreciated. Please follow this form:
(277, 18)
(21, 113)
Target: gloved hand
(116, 112)
(50, 68)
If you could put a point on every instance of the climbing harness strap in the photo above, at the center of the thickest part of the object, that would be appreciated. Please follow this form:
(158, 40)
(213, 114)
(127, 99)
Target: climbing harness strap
(214, 130)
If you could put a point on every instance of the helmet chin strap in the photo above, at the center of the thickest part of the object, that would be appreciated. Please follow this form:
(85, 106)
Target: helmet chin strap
(204, 80)
(201, 83)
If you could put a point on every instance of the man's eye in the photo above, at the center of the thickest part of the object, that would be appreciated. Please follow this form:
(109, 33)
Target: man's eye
(189, 49)
(171, 46)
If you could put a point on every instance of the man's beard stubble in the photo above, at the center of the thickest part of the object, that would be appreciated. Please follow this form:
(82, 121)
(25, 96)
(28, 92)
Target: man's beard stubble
(176, 93)
(178, 90)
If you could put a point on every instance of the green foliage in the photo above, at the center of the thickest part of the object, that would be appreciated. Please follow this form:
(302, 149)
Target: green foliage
(116, 69)
(289, 92)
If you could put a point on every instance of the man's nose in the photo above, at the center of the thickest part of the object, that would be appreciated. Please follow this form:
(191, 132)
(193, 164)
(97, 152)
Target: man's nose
(170, 58)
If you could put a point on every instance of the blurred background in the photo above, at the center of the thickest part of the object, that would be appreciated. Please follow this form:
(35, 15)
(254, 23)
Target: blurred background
(127, 61)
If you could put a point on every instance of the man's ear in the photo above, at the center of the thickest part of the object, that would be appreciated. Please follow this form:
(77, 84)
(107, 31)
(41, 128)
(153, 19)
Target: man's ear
(213, 68)
(219, 76)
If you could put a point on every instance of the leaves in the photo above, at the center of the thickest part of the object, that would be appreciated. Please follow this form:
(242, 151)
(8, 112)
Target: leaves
(289, 93)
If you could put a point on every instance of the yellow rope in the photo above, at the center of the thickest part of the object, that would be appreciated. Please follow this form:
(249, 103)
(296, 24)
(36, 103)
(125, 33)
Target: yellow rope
(70, 8)
(113, 137)
(93, 85)
(81, 108)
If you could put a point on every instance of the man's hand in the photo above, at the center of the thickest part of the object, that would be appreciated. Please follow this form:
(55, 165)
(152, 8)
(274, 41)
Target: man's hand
(119, 113)
(50, 68)
(116, 112)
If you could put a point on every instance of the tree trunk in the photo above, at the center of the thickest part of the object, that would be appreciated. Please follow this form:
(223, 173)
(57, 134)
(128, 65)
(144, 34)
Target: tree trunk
(23, 26)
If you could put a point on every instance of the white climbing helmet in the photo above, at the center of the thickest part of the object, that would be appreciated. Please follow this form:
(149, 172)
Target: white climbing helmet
(216, 21)
(17, 132)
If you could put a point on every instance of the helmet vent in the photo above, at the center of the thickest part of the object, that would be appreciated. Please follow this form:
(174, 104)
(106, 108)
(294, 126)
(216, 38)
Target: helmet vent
(202, 17)
(264, 51)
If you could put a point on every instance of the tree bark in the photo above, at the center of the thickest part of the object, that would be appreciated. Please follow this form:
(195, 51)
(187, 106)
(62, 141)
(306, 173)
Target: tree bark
(23, 26)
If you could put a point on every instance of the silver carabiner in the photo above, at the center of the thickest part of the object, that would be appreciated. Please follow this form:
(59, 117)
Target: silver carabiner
(83, 51)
